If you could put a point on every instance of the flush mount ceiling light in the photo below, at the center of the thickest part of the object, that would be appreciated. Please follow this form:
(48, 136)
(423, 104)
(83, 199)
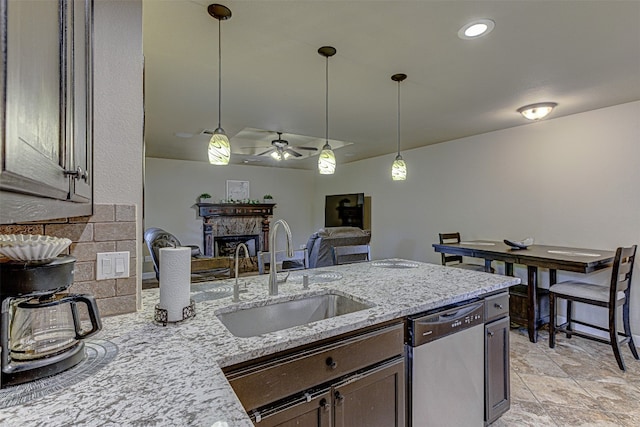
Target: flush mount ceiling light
(399, 169)
(537, 111)
(219, 147)
(475, 29)
(327, 159)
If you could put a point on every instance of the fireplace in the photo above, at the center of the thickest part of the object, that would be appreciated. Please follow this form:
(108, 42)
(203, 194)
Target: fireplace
(226, 245)
(234, 219)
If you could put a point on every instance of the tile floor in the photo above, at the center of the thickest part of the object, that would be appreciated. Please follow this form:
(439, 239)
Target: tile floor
(577, 383)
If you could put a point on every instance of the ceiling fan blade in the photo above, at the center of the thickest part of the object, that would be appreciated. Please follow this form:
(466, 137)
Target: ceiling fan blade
(306, 148)
(266, 152)
(293, 153)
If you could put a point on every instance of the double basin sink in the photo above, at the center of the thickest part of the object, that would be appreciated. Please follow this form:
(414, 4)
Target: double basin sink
(279, 315)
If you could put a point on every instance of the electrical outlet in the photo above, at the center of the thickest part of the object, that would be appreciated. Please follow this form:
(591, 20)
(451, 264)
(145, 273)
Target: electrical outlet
(112, 265)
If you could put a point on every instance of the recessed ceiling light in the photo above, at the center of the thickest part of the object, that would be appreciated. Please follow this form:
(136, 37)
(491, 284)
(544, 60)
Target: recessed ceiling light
(475, 29)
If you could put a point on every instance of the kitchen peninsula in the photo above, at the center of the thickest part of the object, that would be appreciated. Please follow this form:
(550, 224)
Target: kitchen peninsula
(173, 375)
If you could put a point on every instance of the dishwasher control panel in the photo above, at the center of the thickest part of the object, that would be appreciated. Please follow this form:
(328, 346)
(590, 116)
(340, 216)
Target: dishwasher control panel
(430, 327)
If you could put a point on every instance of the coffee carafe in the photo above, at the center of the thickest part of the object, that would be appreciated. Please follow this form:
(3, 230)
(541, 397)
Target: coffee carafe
(41, 330)
(43, 326)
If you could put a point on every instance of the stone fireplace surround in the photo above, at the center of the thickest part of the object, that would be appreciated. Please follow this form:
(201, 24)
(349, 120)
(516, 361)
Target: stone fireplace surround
(238, 221)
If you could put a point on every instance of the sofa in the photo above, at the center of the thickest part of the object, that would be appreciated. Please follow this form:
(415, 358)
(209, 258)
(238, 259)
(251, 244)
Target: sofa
(321, 242)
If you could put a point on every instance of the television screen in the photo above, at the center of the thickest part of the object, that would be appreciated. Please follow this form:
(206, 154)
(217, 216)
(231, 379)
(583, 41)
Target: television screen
(344, 210)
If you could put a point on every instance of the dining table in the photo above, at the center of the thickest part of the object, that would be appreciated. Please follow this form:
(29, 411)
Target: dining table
(553, 258)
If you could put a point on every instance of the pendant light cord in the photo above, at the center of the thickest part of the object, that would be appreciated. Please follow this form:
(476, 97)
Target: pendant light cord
(398, 118)
(219, 73)
(326, 104)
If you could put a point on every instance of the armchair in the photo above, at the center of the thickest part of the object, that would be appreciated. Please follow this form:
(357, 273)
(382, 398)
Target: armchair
(320, 244)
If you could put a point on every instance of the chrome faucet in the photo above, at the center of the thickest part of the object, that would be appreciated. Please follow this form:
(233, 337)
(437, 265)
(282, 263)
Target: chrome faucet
(236, 287)
(273, 278)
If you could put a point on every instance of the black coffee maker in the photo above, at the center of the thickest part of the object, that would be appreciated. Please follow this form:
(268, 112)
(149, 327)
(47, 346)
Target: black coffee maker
(41, 330)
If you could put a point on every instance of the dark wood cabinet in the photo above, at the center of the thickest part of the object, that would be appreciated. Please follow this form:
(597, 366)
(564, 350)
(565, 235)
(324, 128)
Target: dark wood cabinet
(375, 398)
(45, 109)
(497, 379)
(356, 380)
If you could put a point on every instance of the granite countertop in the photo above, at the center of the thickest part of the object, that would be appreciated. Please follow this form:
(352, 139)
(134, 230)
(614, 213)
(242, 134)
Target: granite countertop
(171, 375)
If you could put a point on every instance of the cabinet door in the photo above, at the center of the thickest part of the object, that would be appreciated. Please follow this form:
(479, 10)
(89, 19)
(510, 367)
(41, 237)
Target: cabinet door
(312, 412)
(497, 392)
(375, 398)
(45, 109)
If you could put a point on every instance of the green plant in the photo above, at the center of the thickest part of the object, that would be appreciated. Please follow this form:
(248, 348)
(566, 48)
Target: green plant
(267, 196)
(205, 196)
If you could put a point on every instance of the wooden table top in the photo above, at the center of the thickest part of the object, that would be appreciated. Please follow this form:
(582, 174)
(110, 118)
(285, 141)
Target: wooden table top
(554, 257)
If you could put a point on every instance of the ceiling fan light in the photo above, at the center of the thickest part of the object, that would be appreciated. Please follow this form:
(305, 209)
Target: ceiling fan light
(327, 160)
(219, 148)
(399, 169)
(537, 111)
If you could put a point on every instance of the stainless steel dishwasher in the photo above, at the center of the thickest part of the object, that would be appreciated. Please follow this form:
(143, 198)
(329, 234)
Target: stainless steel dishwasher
(445, 355)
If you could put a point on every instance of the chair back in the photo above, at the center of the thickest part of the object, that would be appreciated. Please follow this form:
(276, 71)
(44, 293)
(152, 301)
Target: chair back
(351, 254)
(157, 238)
(299, 260)
(621, 273)
(446, 238)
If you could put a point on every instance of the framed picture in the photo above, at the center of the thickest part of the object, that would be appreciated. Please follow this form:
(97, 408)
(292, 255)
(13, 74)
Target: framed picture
(237, 190)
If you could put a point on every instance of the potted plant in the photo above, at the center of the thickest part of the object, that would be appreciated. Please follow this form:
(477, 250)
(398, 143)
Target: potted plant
(205, 198)
(267, 198)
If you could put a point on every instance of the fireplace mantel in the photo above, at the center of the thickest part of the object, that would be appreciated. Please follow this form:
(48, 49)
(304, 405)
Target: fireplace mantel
(212, 212)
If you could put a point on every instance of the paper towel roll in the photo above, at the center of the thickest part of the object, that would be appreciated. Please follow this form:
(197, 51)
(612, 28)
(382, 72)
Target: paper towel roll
(175, 281)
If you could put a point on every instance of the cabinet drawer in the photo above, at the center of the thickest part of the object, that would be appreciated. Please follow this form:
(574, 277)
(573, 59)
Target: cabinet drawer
(496, 306)
(274, 380)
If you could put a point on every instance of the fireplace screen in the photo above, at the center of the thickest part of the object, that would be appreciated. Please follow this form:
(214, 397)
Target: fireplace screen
(226, 245)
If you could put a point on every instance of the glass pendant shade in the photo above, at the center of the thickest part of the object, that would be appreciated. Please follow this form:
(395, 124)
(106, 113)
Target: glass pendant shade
(219, 148)
(399, 169)
(327, 160)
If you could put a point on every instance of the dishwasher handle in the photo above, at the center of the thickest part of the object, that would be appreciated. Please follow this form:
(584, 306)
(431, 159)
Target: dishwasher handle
(429, 328)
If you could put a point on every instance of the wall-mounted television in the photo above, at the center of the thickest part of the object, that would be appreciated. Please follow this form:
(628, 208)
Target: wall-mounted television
(344, 210)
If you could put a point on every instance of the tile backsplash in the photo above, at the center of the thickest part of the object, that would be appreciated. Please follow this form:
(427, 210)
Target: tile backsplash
(111, 228)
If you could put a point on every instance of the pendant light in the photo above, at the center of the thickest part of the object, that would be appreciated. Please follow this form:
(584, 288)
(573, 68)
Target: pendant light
(327, 159)
(219, 147)
(399, 169)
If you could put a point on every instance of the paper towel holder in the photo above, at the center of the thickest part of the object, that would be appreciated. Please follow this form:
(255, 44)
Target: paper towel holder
(161, 315)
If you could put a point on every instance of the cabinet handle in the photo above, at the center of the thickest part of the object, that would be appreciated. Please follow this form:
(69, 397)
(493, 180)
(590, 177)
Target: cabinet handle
(324, 405)
(498, 306)
(339, 398)
(77, 174)
(490, 333)
(331, 363)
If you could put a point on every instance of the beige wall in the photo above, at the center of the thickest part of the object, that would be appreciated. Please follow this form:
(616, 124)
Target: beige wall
(118, 110)
(172, 187)
(570, 181)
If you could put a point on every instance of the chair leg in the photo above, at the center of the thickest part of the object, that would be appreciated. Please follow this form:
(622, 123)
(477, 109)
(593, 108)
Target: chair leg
(569, 309)
(627, 329)
(613, 336)
(552, 320)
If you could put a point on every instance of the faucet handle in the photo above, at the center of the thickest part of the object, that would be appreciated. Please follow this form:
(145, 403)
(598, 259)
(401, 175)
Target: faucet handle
(285, 278)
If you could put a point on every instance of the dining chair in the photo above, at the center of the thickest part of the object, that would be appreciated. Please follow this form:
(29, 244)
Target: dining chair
(456, 260)
(611, 297)
(299, 261)
(351, 254)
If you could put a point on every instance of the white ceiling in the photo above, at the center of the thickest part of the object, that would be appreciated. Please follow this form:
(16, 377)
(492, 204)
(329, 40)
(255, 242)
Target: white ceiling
(583, 55)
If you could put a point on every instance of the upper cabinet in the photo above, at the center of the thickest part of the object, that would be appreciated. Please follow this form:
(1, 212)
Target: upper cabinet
(46, 109)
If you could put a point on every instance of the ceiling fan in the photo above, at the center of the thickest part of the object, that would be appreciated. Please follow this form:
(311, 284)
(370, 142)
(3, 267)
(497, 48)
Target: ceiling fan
(280, 149)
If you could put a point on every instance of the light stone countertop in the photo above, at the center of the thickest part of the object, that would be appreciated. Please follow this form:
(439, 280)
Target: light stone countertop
(171, 376)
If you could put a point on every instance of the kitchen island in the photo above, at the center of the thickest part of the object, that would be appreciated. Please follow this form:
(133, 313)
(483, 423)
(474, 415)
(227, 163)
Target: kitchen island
(172, 375)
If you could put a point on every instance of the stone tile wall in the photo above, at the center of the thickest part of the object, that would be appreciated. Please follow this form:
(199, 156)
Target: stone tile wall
(111, 228)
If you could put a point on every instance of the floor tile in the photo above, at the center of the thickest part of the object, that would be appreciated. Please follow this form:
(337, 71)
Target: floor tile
(525, 414)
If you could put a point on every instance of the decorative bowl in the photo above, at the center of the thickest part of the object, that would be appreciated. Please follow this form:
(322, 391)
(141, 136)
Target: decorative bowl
(32, 247)
(520, 244)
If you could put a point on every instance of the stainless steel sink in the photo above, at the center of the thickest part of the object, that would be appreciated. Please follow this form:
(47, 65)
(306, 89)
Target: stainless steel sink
(253, 321)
